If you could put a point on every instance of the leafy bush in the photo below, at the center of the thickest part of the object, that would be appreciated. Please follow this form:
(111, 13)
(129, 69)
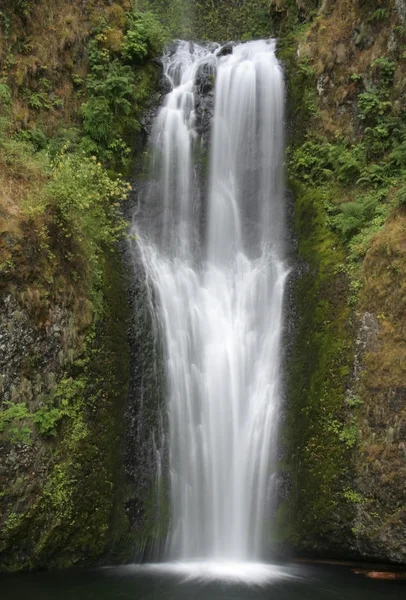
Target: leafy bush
(354, 216)
(374, 175)
(350, 434)
(47, 420)
(14, 423)
(312, 162)
(36, 137)
(349, 161)
(386, 71)
(145, 37)
(86, 201)
(110, 113)
(68, 138)
(98, 119)
(318, 161)
(397, 158)
(372, 106)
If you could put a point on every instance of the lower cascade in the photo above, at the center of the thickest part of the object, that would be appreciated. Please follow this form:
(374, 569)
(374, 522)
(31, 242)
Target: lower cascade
(212, 248)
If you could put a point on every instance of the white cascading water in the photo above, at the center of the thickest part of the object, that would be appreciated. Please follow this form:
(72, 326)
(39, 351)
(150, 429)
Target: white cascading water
(216, 269)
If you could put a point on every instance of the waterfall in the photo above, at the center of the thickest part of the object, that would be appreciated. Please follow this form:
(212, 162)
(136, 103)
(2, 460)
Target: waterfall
(214, 259)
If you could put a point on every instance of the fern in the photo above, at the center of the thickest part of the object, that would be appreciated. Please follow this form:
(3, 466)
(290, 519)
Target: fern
(380, 14)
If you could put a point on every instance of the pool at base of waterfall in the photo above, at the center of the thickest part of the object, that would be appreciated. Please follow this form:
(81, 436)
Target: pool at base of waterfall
(201, 581)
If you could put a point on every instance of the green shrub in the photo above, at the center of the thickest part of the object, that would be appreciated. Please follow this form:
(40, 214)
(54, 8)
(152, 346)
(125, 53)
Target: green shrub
(98, 119)
(64, 137)
(47, 420)
(349, 162)
(371, 106)
(397, 158)
(15, 423)
(86, 203)
(145, 37)
(36, 137)
(385, 69)
(354, 216)
(350, 434)
(312, 162)
(374, 175)
(318, 161)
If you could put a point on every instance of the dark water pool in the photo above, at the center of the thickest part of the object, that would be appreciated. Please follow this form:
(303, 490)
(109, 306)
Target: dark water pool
(125, 583)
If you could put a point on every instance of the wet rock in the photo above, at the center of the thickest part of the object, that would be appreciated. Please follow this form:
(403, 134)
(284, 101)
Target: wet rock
(225, 50)
(204, 110)
(165, 85)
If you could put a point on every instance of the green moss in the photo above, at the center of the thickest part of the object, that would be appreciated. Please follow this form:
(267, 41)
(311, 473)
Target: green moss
(319, 459)
(79, 514)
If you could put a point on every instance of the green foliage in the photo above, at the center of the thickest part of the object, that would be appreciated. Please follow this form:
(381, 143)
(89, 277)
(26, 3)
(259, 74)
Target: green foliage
(110, 110)
(383, 130)
(220, 20)
(386, 71)
(311, 162)
(98, 120)
(47, 420)
(318, 369)
(116, 90)
(379, 15)
(68, 138)
(15, 422)
(86, 203)
(400, 30)
(145, 37)
(318, 161)
(374, 175)
(38, 101)
(36, 137)
(356, 77)
(400, 198)
(372, 107)
(355, 215)
(397, 158)
(354, 402)
(350, 434)
(353, 497)
(5, 95)
(23, 7)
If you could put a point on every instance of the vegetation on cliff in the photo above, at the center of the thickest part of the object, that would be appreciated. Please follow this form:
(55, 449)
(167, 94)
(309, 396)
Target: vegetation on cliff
(345, 63)
(74, 81)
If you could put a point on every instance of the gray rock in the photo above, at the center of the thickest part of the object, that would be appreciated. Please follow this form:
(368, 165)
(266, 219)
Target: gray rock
(225, 50)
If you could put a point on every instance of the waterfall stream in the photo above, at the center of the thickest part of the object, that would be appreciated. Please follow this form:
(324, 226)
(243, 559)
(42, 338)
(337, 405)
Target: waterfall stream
(214, 258)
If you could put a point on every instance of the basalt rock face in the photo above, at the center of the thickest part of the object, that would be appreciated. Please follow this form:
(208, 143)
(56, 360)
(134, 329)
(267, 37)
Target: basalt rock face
(145, 414)
(60, 468)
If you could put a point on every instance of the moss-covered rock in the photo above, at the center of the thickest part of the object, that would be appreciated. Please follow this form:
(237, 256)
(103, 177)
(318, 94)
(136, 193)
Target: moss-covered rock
(62, 499)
